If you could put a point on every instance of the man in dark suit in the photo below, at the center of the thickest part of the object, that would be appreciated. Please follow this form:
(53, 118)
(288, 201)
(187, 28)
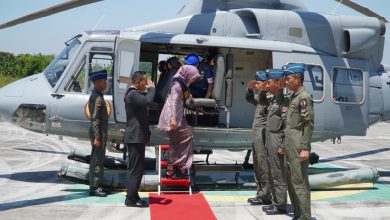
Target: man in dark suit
(137, 133)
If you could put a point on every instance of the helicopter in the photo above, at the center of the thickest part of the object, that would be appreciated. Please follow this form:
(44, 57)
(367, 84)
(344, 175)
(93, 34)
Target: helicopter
(349, 85)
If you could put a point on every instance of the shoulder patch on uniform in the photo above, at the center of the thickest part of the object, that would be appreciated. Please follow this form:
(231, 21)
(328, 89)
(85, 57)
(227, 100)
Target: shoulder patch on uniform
(284, 109)
(303, 103)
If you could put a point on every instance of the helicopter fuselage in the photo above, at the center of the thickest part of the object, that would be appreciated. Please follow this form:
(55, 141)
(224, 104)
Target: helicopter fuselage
(342, 56)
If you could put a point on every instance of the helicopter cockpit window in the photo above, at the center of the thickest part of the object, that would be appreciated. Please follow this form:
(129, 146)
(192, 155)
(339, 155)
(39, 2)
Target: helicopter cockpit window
(102, 62)
(347, 85)
(54, 71)
(314, 81)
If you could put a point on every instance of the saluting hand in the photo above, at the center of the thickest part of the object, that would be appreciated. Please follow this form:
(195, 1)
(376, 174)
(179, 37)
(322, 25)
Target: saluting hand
(96, 143)
(280, 150)
(261, 86)
(251, 84)
(150, 84)
(282, 83)
(304, 155)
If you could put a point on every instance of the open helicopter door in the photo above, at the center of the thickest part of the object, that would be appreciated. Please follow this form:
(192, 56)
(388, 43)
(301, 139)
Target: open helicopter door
(127, 53)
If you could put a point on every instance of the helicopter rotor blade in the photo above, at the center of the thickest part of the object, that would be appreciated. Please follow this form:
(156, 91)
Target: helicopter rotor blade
(48, 11)
(361, 9)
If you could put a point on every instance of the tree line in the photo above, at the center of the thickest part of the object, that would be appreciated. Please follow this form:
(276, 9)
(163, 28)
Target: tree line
(14, 67)
(22, 65)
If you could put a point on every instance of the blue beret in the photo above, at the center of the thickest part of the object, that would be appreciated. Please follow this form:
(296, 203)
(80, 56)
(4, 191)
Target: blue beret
(192, 59)
(274, 73)
(101, 74)
(294, 68)
(260, 76)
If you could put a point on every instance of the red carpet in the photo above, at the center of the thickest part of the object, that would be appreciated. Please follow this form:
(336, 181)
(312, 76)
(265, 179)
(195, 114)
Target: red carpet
(179, 206)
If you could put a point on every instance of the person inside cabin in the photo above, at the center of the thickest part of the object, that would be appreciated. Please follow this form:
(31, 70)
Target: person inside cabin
(203, 86)
(162, 68)
(173, 122)
(172, 65)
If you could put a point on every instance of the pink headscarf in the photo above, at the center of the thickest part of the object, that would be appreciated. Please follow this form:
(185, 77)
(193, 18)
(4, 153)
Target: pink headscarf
(187, 73)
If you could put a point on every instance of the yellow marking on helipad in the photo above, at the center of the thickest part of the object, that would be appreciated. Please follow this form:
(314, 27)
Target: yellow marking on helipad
(141, 194)
(345, 190)
(218, 198)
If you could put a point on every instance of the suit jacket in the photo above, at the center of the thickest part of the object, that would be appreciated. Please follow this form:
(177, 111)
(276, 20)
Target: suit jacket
(137, 117)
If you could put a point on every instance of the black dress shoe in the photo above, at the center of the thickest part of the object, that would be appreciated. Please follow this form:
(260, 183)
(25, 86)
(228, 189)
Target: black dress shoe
(250, 199)
(275, 211)
(266, 207)
(258, 201)
(138, 204)
(107, 190)
(99, 192)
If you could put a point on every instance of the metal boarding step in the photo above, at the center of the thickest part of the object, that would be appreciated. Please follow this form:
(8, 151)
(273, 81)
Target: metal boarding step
(204, 152)
(163, 181)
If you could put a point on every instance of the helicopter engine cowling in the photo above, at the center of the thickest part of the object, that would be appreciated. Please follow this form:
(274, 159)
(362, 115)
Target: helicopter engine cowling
(359, 39)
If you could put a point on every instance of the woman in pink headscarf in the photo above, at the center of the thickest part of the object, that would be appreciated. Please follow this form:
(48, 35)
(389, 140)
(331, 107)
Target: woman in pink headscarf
(172, 120)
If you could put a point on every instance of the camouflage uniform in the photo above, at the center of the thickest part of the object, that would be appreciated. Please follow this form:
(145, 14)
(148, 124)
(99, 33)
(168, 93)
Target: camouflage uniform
(98, 130)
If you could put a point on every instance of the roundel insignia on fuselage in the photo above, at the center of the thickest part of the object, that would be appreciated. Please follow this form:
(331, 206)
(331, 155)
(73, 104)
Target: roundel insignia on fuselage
(88, 113)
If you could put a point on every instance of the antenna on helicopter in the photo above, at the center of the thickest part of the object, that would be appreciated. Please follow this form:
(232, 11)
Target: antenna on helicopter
(99, 21)
(337, 6)
(363, 10)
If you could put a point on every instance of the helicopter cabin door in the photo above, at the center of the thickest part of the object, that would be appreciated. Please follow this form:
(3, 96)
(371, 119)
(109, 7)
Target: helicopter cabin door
(339, 88)
(127, 53)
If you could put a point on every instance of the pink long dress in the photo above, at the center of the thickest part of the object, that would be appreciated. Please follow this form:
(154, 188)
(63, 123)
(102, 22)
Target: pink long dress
(180, 153)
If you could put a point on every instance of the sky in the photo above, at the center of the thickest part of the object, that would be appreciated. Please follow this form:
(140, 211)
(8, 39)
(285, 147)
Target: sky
(47, 35)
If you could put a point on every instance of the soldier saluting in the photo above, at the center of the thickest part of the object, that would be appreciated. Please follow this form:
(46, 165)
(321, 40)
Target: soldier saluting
(298, 133)
(260, 158)
(274, 138)
(97, 132)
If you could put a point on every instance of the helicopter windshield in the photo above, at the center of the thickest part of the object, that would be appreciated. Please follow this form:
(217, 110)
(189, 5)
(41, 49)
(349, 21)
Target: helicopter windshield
(54, 71)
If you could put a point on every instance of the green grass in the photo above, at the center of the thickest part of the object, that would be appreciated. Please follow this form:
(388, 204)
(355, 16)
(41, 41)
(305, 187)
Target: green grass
(5, 80)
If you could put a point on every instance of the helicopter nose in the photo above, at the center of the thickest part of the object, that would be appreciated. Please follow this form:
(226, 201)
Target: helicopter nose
(4, 108)
(10, 96)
